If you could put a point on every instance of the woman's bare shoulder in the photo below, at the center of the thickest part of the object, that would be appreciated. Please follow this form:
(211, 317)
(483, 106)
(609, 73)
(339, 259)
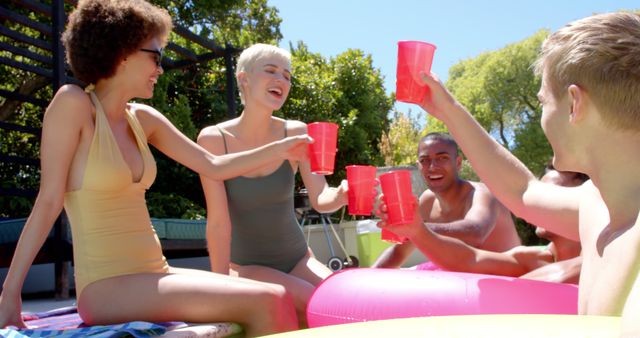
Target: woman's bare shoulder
(69, 102)
(72, 94)
(210, 132)
(215, 130)
(212, 137)
(295, 127)
(144, 111)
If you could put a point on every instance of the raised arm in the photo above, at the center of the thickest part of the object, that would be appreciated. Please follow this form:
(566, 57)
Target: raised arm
(60, 138)
(167, 138)
(508, 179)
(478, 222)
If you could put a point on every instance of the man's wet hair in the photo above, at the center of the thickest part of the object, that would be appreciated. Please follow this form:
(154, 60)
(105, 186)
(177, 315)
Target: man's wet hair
(443, 137)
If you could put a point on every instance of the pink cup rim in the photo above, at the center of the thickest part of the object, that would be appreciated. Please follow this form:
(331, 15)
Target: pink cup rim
(417, 42)
(360, 165)
(396, 172)
(322, 123)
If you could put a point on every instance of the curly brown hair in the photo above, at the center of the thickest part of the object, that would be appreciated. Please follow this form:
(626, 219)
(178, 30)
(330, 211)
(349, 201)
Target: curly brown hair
(101, 33)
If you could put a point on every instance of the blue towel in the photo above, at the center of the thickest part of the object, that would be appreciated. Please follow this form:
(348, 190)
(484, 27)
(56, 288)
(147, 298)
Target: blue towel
(131, 329)
(66, 323)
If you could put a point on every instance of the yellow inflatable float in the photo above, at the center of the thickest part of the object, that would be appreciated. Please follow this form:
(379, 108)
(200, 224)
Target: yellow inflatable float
(475, 326)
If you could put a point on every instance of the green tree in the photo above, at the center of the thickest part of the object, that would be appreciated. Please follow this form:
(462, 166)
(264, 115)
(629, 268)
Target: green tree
(399, 145)
(195, 96)
(346, 90)
(191, 97)
(240, 23)
(15, 143)
(499, 90)
(363, 106)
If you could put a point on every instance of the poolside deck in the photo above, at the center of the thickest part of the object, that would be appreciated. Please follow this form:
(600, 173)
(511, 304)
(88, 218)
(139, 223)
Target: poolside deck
(45, 304)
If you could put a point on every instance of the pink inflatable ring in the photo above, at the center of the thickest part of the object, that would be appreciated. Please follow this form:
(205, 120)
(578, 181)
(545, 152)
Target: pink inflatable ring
(360, 295)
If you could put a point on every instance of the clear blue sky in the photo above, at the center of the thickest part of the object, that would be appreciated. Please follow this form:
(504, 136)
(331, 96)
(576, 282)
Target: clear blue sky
(460, 29)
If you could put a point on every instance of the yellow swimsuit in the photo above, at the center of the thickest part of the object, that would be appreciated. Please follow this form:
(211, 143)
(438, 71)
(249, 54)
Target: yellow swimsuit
(110, 223)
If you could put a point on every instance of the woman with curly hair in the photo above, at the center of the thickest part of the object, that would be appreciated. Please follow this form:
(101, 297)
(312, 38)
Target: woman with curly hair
(96, 162)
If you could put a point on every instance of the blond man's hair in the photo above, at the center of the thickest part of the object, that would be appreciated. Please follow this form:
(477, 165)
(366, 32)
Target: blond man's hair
(255, 52)
(600, 54)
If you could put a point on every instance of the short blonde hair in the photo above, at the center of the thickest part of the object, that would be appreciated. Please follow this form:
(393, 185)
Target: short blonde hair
(255, 52)
(600, 54)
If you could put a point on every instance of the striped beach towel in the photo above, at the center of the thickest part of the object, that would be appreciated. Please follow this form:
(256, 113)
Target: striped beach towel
(66, 323)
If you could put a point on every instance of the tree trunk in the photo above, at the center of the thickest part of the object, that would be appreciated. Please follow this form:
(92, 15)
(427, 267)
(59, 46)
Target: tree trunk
(28, 88)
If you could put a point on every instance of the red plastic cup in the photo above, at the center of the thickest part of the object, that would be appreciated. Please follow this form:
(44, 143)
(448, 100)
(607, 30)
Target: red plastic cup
(322, 152)
(413, 57)
(361, 179)
(396, 187)
(390, 237)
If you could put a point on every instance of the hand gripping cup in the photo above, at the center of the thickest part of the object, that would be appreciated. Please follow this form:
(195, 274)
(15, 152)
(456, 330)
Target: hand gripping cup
(413, 57)
(396, 187)
(390, 237)
(361, 179)
(322, 152)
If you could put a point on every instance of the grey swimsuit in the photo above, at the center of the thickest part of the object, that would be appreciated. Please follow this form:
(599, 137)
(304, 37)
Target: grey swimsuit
(264, 228)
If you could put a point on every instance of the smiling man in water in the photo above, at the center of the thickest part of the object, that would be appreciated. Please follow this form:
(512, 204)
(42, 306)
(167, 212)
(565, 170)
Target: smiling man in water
(453, 206)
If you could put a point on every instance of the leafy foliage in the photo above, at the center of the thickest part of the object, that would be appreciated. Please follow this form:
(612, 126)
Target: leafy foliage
(239, 23)
(195, 96)
(399, 146)
(173, 206)
(15, 143)
(499, 90)
(346, 90)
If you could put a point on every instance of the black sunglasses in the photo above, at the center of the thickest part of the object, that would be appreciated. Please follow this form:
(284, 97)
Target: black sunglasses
(157, 52)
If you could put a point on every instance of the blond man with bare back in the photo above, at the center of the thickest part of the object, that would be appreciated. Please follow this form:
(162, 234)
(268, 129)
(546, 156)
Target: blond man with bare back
(591, 115)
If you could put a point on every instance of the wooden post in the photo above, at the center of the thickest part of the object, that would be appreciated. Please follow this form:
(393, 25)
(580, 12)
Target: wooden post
(59, 78)
(231, 82)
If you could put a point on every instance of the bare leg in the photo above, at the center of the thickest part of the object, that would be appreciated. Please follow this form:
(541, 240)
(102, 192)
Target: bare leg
(311, 270)
(300, 282)
(191, 296)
